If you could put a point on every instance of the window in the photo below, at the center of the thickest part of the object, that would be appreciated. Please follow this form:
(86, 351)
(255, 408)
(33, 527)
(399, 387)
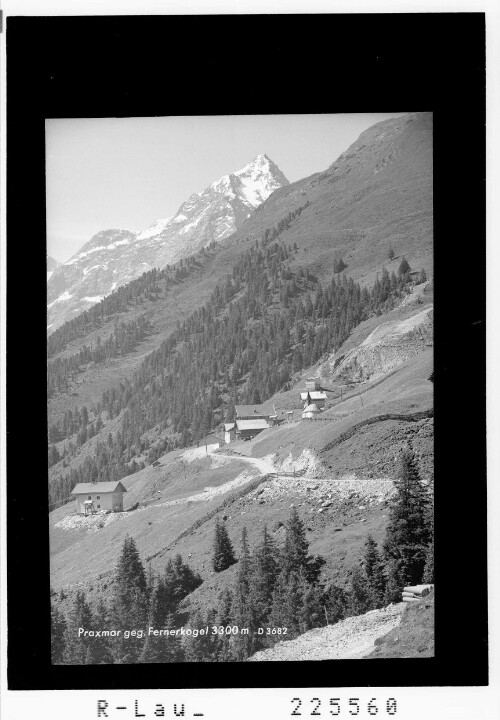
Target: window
(98, 507)
(89, 497)
(98, 497)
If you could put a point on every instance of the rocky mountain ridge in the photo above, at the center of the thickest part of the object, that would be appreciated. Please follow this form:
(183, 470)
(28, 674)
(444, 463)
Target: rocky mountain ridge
(52, 265)
(113, 257)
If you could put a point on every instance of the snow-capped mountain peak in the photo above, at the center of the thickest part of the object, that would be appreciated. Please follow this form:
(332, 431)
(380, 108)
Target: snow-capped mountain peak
(114, 257)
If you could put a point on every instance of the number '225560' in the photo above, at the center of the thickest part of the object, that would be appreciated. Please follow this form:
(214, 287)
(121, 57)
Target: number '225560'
(353, 706)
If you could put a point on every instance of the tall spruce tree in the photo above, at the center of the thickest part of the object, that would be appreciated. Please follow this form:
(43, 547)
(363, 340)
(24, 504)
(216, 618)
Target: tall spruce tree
(374, 572)
(223, 618)
(200, 648)
(294, 555)
(76, 645)
(57, 630)
(264, 574)
(335, 603)
(174, 585)
(223, 554)
(130, 602)
(242, 610)
(404, 267)
(360, 600)
(408, 533)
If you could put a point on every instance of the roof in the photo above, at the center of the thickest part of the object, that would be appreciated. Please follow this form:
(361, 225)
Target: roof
(100, 487)
(228, 426)
(257, 424)
(209, 440)
(312, 408)
(304, 395)
(317, 395)
(257, 410)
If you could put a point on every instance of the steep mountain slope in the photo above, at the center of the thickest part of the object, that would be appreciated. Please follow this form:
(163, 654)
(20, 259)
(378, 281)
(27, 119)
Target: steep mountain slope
(114, 257)
(410, 173)
(376, 195)
(338, 473)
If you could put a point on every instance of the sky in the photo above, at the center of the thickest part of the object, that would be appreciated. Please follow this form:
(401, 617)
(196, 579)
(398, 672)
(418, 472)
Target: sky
(126, 173)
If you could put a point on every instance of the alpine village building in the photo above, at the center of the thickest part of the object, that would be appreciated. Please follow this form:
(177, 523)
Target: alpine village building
(99, 497)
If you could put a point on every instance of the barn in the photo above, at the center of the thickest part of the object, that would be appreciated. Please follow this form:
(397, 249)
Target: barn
(254, 412)
(99, 497)
(248, 429)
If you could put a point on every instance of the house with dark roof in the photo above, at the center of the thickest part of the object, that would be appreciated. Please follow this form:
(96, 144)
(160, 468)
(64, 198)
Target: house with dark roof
(99, 497)
(254, 412)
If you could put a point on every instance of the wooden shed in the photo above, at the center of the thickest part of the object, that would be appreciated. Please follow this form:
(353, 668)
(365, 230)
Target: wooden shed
(99, 497)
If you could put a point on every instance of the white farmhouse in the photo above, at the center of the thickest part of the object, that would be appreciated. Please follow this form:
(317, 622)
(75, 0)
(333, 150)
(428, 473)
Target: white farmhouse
(98, 497)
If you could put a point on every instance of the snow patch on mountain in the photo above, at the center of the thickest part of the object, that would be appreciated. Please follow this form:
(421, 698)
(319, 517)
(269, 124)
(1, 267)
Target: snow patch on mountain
(157, 227)
(114, 257)
(63, 297)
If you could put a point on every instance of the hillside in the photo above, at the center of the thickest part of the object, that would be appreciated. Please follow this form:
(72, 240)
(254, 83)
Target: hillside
(358, 209)
(114, 257)
(345, 486)
(304, 288)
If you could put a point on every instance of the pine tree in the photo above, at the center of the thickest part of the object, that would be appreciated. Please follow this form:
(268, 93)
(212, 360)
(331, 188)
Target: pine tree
(163, 648)
(360, 596)
(391, 254)
(223, 554)
(200, 648)
(57, 630)
(75, 645)
(311, 613)
(404, 267)
(176, 583)
(130, 602)
(101, 648)
(265, 571)
(408, 532)
(374, 572)
(223, 618)
(335, 602)
(294, 554)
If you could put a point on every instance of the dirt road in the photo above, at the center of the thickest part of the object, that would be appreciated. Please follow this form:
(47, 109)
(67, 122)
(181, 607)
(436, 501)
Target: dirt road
(351, 638)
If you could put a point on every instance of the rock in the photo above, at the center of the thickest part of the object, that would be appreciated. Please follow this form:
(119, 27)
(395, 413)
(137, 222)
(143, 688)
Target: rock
(224, 517)
(363, 520)
(337, 529)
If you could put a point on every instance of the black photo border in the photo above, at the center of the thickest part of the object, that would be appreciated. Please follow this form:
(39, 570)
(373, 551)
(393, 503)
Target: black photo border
(120, 66)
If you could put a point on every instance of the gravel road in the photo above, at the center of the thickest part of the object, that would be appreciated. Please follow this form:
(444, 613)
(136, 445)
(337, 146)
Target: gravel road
(348, 639)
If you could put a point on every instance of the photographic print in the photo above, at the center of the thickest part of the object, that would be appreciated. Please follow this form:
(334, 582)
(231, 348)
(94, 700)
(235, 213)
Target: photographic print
(240, 387)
